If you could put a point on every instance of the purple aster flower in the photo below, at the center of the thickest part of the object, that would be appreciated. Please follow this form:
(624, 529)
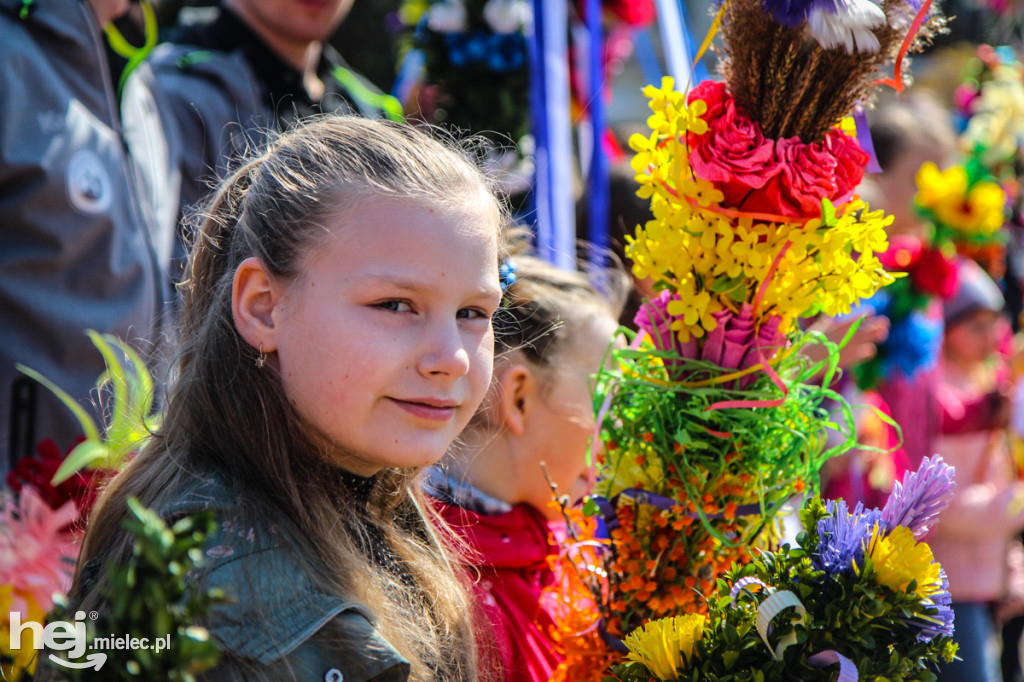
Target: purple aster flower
(916, 502)
(940, 622)
(843, 536)
(792, 13)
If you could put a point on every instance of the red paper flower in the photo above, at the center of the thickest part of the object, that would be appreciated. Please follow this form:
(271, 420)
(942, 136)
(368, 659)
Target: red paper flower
(37, 471)
(935, 273)
(851, 161)
(733, 154)
(808, 175)
(782, 177)
(902, 254)
(632, 12)
(714, 94)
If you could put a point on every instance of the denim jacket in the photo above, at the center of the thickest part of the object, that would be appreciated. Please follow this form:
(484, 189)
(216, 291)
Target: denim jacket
(278, 626)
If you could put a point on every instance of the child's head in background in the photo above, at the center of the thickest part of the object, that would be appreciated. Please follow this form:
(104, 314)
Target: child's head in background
(337, 321)
(906, 132)
(974, 321)
(539, 415)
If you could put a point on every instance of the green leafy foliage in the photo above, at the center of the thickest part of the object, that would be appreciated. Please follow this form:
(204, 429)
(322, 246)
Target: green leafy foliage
(151, 597)
(131, 419)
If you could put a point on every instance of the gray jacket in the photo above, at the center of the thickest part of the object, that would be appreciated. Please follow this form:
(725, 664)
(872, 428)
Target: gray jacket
(80, 247)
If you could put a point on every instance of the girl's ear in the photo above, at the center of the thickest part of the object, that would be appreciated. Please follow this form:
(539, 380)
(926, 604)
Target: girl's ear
(516, 393)
(253, 297)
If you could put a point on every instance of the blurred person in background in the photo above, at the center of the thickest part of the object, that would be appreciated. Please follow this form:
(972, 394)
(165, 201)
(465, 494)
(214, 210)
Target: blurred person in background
(977, 542)
(252, 69)
(82, 246)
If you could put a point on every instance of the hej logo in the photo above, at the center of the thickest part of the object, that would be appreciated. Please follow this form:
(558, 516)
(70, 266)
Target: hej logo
(59, 635)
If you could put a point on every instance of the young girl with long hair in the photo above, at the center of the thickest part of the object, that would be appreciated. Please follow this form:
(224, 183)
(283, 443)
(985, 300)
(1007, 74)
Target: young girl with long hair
(336, 337)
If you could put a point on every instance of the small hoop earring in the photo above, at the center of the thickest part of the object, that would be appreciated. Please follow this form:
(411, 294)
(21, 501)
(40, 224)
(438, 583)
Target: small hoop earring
(261, 360)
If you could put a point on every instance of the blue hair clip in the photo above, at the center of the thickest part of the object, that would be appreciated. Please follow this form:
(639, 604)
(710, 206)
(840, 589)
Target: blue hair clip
(507, 274)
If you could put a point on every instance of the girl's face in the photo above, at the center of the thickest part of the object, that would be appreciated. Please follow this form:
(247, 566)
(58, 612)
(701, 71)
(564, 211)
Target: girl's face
(562, 423)
(384, 342)
(972, 340)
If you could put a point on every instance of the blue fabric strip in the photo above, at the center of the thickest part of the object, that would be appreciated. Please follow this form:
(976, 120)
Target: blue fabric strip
(673, 43)
(410, 71)
(650, 66)
(553, 186)
(597, 176)
(700, 71)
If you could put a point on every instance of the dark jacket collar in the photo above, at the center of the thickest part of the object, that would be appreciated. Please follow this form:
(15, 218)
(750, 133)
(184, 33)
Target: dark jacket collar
(69, 20)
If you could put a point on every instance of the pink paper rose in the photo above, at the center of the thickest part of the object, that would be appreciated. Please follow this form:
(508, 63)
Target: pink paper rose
(733, 154)
(850, 163)
(808, 175)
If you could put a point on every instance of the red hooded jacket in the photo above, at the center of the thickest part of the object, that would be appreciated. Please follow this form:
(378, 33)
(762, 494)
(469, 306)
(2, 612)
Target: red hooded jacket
(512, 550)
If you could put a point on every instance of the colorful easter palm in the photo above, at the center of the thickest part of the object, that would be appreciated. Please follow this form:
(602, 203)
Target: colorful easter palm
(713, 417)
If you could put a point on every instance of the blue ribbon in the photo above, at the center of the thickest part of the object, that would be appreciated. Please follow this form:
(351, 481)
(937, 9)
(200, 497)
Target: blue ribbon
(673, 43)
(700, 71)
(647, 57)
(598, 185)
(410, 71)
(552, 192)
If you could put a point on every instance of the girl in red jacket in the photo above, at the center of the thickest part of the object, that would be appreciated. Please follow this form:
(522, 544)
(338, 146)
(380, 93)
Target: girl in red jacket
(535, 423)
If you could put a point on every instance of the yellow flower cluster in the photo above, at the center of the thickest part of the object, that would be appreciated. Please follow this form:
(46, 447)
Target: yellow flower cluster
(974, 210)
(996, 125)
(640, 467)
(16, 662)
(712, 259)
(899, 559)
(665, 645)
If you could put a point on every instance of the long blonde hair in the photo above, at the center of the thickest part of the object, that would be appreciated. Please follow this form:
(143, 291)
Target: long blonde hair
(223, 414)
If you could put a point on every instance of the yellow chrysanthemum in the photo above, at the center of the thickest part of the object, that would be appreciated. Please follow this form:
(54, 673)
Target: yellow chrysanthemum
(982, 211)
(899, 558)
(22, 660)
(934, 185)
(639, 468)
(663, 646)
(978, 209)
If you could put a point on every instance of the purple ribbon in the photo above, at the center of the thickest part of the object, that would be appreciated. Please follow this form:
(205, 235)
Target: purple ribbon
(743, 582)
(860, 118)
(847, 670)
